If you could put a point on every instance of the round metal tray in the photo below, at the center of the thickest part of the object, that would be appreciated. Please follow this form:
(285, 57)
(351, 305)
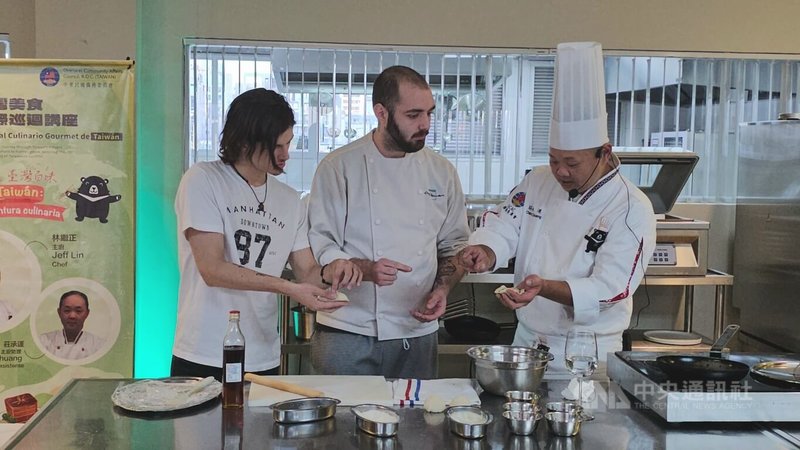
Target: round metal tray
(304, 410)
(785, 373)
(369, 424)
(468, 429)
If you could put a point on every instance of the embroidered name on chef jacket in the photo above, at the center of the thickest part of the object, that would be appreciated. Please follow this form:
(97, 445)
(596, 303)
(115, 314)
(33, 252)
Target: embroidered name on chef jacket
(534, 212)
(597, 237)
(433, 193)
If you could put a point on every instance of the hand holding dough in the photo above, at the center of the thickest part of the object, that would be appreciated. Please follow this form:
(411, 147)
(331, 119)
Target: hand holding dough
(505, 288)
(340, 297)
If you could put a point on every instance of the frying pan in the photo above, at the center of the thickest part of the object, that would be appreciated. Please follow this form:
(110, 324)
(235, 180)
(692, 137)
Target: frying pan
(472, 329)
(705, 368)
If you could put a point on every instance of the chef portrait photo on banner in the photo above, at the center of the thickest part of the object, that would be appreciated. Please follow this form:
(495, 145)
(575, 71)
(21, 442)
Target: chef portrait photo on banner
(20, 280)
(76, 322)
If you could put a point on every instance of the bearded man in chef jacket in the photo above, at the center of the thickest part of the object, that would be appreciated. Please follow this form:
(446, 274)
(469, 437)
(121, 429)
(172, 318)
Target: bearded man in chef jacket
(395, 208)
(581, 233)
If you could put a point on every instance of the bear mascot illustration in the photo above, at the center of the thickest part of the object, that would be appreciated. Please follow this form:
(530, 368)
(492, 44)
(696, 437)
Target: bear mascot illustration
(92, 199)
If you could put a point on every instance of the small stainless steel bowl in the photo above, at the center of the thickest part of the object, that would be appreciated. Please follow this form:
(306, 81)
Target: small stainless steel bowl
(368, 420)
(523, 396)
(468, 421)
(304, 409)
(566, 407)
(570, 408)
(521, 407)
(563, 424)
(522, 423)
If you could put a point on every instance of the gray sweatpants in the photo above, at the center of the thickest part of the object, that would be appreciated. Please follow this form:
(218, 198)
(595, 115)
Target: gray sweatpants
(336, 352)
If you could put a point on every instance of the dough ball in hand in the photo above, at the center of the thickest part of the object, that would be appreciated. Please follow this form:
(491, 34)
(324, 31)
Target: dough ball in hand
(341, 297)
(505, 288)
(435, 404)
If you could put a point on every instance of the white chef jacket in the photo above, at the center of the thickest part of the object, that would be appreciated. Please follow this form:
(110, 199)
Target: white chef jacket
(84, 346)
(549, 235)
(410, 210)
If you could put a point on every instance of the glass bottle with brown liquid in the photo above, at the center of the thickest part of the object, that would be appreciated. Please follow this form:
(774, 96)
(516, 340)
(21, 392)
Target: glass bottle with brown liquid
(233, 364)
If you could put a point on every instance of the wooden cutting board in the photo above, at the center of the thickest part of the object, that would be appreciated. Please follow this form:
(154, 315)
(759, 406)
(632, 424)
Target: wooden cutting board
(350, 389)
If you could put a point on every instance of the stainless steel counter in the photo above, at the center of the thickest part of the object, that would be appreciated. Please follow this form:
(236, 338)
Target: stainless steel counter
(82, 416)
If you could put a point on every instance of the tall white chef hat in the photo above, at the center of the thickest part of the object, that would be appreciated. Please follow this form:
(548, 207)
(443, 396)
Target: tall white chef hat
(579, 119)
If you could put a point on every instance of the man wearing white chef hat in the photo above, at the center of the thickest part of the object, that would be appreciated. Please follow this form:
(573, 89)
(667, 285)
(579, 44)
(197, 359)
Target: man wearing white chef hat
(581, 233)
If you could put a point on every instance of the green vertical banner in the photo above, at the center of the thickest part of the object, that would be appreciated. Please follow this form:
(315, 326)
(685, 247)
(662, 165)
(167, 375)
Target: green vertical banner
(67, 197)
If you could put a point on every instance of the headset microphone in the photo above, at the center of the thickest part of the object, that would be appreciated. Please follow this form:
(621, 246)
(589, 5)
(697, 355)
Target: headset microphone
(576, 192)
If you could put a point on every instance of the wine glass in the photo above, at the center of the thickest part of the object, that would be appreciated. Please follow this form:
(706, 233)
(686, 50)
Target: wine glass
(580, 353)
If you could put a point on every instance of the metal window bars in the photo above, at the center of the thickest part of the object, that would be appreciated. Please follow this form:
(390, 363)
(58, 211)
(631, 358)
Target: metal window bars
(493, 105)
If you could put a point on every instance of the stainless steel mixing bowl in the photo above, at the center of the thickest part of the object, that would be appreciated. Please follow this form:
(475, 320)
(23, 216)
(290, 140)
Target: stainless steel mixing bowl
(502, 368)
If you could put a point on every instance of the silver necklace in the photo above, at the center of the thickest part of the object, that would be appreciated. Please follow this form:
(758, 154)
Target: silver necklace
(260, 202)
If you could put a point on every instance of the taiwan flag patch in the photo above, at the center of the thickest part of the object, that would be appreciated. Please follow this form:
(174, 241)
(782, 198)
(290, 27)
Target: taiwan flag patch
(518, 199)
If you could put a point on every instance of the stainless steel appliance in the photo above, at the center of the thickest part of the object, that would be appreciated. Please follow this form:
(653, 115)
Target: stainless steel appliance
(766, 248)
(747, 400)
(681, 243)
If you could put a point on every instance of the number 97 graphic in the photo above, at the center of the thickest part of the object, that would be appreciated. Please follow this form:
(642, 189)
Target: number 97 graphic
(243, 241)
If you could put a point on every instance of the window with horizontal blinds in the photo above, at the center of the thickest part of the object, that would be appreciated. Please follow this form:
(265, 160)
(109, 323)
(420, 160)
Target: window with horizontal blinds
(493, 108)
(542, 102)
(5, 42)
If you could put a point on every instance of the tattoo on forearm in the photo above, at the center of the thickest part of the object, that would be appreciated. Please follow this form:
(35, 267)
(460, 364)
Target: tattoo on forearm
(445, 272)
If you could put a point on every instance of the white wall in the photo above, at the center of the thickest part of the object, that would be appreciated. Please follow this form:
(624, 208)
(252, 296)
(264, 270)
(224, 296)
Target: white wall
(70, 29)
(17, 19)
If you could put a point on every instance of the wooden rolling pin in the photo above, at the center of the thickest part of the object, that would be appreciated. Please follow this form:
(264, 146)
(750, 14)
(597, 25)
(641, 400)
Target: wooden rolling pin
(282, 385)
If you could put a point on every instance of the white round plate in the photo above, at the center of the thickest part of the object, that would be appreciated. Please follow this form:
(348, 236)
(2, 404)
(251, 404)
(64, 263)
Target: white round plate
(671, 337)
(166, 394)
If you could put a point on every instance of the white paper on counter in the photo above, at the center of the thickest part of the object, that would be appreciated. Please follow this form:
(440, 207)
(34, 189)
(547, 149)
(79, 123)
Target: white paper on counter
(349, 389)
